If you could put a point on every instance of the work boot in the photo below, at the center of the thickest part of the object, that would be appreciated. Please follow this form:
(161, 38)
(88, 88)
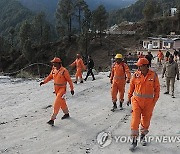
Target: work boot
(121, 108)
(75, 82)
(51, 122)
(173, 95)
(143, 140)
(85, 79)
(167, 92)
(93, 79)
(81, 81)
(114, 107)
(133, 145)
(65, 116)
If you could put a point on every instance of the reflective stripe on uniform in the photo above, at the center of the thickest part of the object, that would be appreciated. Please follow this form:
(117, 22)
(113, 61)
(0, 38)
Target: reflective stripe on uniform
(144, 95)
(57, 84)
(119, 77)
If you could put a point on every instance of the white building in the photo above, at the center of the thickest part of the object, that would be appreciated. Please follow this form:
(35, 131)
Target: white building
(173, 11)
(158, 43)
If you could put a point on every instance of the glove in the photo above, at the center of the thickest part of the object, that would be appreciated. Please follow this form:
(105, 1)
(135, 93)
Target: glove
(177, 78)
(41, 83)
(128, 102)
(72, 92)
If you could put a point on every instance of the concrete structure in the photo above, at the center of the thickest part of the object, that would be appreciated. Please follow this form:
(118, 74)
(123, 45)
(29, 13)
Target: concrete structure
(176, 44)
(158, 43)
(173, 11)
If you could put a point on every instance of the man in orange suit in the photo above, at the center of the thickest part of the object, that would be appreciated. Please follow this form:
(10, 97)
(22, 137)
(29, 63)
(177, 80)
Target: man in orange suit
(78, 63)
(61, 76)
(143, 94)
(119, 73)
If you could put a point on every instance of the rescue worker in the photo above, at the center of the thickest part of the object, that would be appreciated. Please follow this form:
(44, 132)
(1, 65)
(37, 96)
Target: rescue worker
(143, 94)
(78, 63)
(61, 76)
(90, 66)
(167, 55)
(160, 56)
(170, 70)
(149, 57)
(119, 73)
(175, 55)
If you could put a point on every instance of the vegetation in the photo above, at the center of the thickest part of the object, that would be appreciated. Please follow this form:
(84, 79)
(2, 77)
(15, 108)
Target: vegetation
(27, 37)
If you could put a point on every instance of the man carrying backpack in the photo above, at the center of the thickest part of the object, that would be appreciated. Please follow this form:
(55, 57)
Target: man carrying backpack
(118, 80)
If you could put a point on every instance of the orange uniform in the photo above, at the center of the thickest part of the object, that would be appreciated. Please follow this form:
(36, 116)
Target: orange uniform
(160, 56)
(144, 93)
(118, 79)
(79, 67)
(60, 77)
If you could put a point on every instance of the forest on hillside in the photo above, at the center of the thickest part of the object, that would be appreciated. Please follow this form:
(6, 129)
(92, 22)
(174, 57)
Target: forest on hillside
(27, 37)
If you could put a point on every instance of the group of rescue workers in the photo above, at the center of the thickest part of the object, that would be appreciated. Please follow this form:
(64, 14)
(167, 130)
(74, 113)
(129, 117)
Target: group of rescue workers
(143, 92)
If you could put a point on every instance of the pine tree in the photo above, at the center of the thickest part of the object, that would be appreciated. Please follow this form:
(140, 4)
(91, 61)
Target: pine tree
(99, 20)
(25, 32)
(64, 15)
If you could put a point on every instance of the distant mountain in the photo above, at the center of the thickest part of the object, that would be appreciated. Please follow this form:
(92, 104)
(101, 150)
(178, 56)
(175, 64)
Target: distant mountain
(135, 11)
(49, 6)
(110, 4)
(12, 14)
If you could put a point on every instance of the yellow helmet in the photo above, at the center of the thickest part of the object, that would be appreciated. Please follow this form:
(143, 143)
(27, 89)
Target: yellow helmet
(118, 56)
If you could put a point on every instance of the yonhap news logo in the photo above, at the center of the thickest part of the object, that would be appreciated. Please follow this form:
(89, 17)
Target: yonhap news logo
(104, 139)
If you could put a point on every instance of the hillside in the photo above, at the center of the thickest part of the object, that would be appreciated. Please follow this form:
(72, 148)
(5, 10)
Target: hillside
(12, 14)
(135, 11)
(49, 6)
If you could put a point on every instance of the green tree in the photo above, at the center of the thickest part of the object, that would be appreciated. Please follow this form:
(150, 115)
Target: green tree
(25, 33)
(64, 14)
(27, 50)
(149, 10)
(12, 34)
(46, 33)
(99, 20)
(80, 7)
(38, 26)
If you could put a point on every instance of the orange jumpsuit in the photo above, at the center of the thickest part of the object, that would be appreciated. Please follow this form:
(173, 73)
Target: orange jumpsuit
(160, 56)
(146, 93)
(60, 77)
(118, 78)
(79, 67)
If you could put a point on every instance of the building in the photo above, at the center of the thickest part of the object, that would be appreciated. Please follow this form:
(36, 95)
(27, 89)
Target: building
(158, 43)
(176, 44)
(173, 11)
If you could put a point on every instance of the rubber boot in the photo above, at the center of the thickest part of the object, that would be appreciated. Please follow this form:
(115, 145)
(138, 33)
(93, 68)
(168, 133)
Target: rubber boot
(114, 107)
(65, 116)
(134, 144)
(121, 108)
(143, 140)
(51, 122)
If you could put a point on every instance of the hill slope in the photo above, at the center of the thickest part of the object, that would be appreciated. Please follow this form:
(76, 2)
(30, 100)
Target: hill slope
(12, 13)
(49, 6)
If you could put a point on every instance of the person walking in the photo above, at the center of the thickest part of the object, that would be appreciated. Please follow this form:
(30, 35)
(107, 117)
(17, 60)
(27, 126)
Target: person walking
(78, 63)
(171, 70)
(149, 57)
(160, 56)
(90, 66)
(167, 55)
(143, 94)
(120, 72)
(61, 76)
